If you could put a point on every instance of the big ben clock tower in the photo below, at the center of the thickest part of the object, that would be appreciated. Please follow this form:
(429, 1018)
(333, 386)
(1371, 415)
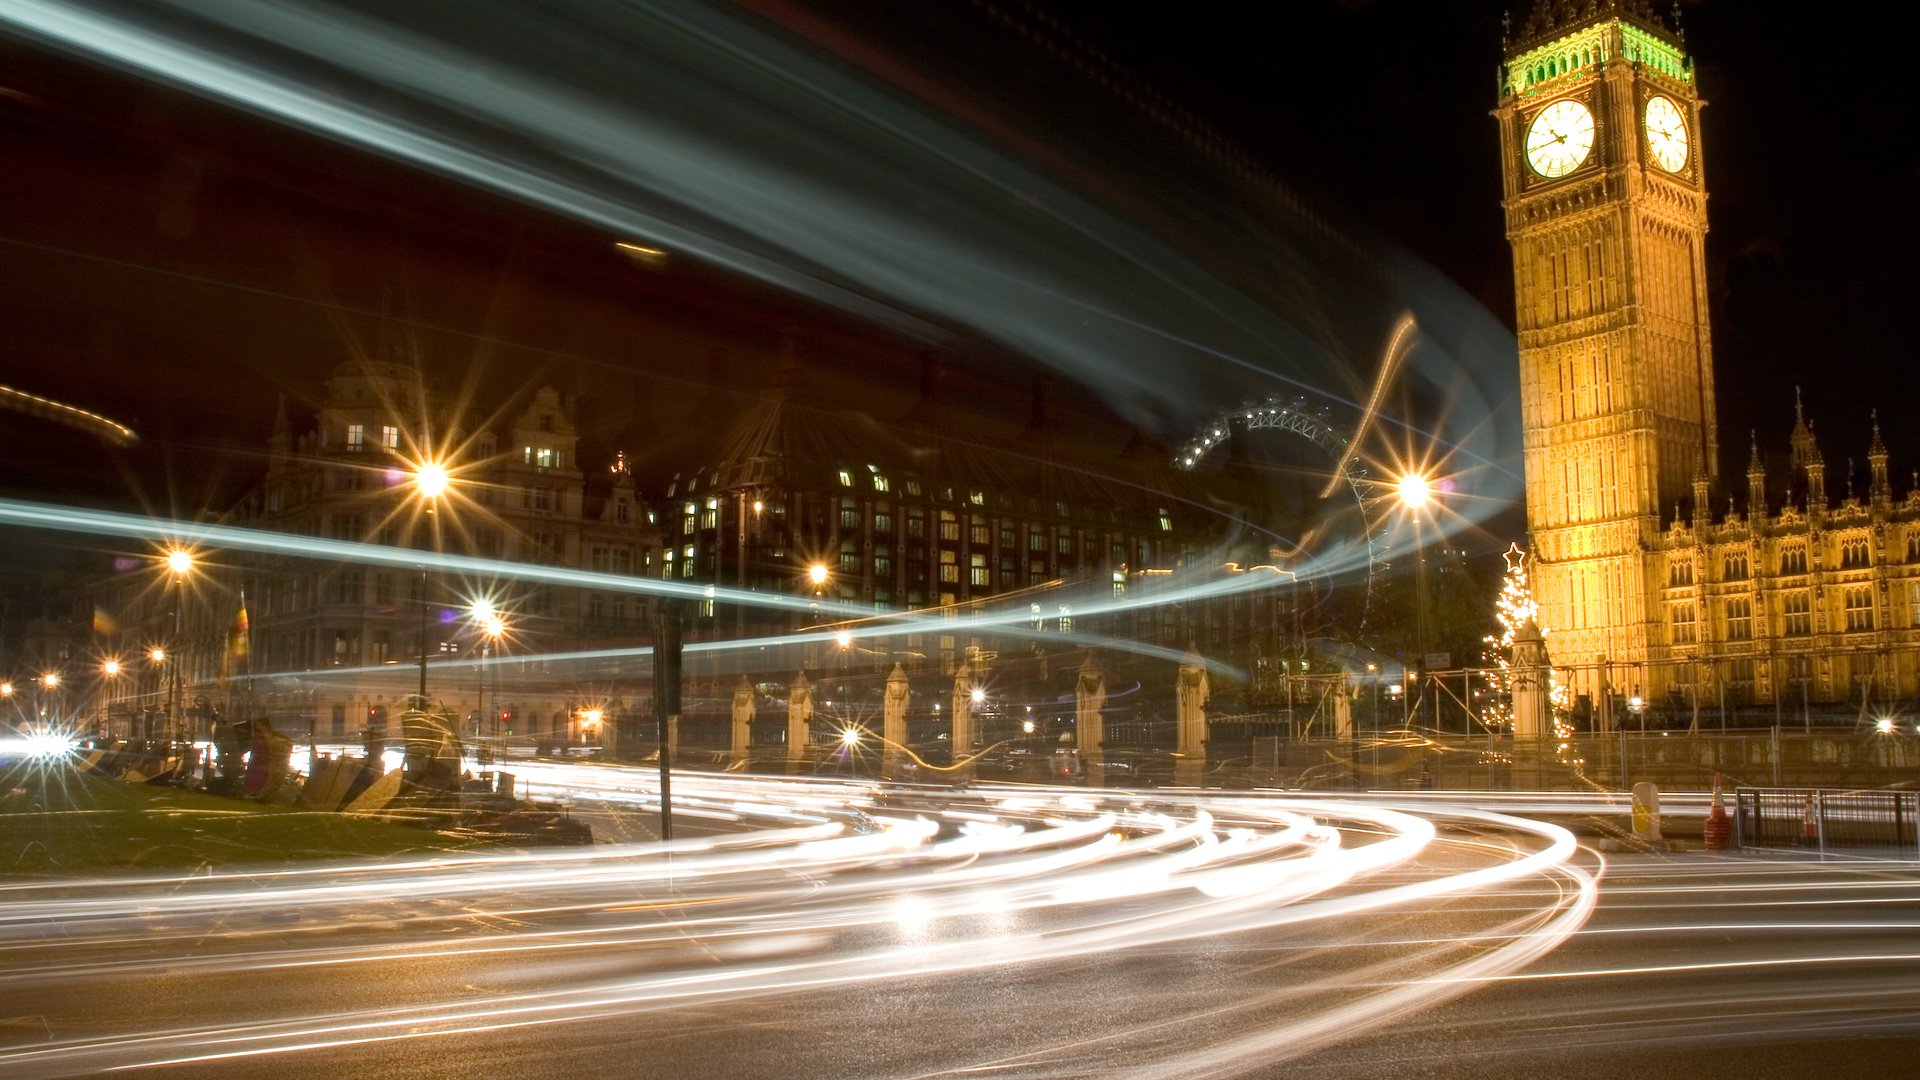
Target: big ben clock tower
(1606, 210)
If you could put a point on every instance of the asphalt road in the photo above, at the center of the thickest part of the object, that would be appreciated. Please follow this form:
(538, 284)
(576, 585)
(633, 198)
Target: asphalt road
(833, 931)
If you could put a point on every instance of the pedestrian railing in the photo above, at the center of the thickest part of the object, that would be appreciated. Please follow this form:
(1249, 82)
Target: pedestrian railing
(1867, 823)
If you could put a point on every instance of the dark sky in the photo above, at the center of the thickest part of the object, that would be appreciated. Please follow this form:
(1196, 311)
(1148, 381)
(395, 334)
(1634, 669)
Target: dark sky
(1811, 150)
(168, 261)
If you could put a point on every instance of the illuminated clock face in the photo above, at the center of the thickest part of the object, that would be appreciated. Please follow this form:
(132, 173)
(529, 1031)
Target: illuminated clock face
(1666, 134)
(1560, 138)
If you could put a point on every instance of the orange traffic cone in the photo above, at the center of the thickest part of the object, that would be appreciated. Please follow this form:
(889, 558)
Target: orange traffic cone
(1809, 828)
(1718, 829)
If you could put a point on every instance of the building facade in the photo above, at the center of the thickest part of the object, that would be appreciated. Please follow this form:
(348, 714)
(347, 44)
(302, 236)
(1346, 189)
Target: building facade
(1605, 202)
(1788, 597)
(333, 646)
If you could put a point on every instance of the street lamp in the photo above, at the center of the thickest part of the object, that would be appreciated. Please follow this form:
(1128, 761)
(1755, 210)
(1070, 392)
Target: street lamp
(110, 671)
(156, 656)
(430, 481)
(492, 627)
(49, 682)
(179, 562)
(1415, 491)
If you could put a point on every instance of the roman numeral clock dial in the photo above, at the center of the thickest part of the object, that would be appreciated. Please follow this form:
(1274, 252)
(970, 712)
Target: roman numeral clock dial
(1666, 134)
(1560, 138)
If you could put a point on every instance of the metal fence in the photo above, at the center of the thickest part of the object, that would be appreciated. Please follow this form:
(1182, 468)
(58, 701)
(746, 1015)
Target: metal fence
(1869, 823)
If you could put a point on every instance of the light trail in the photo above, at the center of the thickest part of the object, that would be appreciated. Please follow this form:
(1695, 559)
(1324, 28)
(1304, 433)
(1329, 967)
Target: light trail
(891, 883)
(697, 130)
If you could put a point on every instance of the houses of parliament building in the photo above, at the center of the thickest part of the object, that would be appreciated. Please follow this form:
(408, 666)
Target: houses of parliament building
(1659, 577)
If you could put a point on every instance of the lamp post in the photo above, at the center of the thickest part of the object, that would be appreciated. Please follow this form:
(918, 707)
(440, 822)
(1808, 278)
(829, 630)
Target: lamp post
(109, 677)
(491, 626)
(430, 481)
(1414, 492)
(49, 683)
(157, 656)
(179, 564)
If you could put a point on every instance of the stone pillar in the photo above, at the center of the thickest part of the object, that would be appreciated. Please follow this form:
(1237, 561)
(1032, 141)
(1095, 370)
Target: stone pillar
(1531, 680)
(742, 717)
(961, 737)
(799, 716)
(893, 718)
(1089, 698)
(1190, 707)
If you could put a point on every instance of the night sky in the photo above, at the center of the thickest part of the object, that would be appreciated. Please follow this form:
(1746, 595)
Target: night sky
(174, 263)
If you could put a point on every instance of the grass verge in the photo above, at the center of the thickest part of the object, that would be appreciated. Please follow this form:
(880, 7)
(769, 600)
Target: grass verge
(56, 821)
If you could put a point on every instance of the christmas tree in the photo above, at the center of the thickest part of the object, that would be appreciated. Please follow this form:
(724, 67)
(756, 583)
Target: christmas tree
(1514, 609)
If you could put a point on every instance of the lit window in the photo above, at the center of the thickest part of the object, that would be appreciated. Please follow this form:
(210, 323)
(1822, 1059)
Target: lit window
(846, 478)
(1798, 612)
(1855, 553)
(977, 572)
(977, 498)
(1166, 522)
(356, 437)
(1739, 620)
(390, 437)
(880, 484)
(1859, 609)
(1066, 619)
(1683, 624)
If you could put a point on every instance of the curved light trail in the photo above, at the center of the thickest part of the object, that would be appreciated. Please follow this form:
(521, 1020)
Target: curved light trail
(820, 886)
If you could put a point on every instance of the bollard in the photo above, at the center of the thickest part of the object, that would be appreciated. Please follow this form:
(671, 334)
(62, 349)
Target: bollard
(1646, 812)
(1718, 829)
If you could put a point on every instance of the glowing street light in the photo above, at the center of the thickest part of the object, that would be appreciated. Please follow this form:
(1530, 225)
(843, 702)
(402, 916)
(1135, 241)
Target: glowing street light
(180, 563)
(51, 680)
(850, 737)
(157, 654)
(979, 695)
(845, 638)
(431, 479)
(110, 668)
(1414, 490)
(494, 626)
(817, 573)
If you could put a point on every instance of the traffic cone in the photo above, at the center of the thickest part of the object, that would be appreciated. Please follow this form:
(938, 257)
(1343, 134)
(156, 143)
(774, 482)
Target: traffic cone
(1809, 828)
(1718, 828)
